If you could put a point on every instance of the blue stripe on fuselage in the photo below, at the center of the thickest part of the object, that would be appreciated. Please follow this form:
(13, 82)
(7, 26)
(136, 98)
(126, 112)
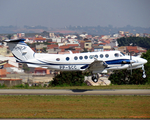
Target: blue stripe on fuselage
(119, 61)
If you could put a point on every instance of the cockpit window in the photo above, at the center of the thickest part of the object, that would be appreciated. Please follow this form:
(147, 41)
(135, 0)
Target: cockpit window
(122, 54)
(57, 59)
(116, 55)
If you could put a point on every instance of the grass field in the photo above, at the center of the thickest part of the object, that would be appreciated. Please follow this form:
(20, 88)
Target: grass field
(105, 87)
(74, 106)
(82, 87)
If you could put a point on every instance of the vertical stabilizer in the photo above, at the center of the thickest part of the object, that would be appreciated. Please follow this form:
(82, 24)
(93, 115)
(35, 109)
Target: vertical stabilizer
(20, 50)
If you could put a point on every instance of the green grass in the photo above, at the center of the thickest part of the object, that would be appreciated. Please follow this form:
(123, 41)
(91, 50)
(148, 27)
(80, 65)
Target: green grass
(82, 87)
(74, 106)
(106, 87)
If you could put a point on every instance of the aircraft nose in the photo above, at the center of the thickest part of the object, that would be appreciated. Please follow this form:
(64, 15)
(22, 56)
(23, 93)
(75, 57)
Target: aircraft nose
(144, 61)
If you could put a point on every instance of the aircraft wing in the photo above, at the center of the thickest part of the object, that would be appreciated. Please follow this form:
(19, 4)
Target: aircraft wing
(96, 66)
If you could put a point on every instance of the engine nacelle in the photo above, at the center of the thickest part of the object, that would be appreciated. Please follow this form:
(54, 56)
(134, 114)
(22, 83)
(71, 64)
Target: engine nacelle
(136, 67)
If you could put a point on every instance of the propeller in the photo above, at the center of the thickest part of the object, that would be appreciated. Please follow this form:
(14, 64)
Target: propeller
(131, 63)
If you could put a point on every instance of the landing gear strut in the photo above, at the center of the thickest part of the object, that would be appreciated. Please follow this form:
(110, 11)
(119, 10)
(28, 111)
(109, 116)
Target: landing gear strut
(95, 77)
(144, 75)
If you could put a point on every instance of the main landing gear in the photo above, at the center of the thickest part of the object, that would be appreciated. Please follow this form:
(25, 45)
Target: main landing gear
(95, 77)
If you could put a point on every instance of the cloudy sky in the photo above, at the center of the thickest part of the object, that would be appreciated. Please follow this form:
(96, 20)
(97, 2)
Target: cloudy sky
(60, 13)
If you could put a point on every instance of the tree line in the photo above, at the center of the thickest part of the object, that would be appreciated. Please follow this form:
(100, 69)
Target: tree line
(134, 41)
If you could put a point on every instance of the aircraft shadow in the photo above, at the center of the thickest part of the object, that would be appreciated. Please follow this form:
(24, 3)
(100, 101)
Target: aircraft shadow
(80, 90)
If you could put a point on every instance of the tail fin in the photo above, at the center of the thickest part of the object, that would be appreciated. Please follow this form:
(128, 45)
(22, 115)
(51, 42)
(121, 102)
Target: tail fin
(20, 50)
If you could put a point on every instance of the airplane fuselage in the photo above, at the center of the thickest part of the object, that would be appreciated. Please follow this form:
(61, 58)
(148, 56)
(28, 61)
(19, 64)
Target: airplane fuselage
(80, 61)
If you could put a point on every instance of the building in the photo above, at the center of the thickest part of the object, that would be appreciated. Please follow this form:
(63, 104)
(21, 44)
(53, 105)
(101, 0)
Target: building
(122, 49)
(40, 47)
(41, 71)
(4, 51)
(135, 50)
(82, 44)
(11, 66)
(121, 32)
(51, 35)
(20, 35)
(98, 48)
(39, 40)
(88, 45)
(10, 81)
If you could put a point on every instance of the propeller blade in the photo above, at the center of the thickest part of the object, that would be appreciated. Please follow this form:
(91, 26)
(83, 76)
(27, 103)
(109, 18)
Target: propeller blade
(131, 63)
(131, 67)
(130, 57)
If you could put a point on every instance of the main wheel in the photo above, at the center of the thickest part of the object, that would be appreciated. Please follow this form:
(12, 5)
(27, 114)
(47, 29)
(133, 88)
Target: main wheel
(94, 79)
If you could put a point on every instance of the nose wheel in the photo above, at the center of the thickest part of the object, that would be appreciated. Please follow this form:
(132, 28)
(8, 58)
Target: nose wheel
(95, 78)
(144, 75)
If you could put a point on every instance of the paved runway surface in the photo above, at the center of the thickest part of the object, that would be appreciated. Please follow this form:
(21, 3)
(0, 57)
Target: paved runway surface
(74, 92)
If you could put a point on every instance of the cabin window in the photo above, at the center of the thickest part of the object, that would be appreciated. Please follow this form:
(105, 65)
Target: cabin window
(85, 57)
(67, 58)
(75, 57)
(106, 55)
(96, 56)
(57, 59)
(101, 55)
(116, 55)
(91, 56)
(80, 57)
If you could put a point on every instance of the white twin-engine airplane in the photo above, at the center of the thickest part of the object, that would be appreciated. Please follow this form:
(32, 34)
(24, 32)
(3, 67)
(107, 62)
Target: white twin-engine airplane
(95, 62)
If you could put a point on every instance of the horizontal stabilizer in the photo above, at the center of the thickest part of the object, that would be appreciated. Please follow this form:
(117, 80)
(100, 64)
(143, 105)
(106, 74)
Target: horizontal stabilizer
(15, 40)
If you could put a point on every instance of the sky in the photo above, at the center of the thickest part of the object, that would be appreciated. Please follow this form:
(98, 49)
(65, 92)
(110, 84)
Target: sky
(61, 13)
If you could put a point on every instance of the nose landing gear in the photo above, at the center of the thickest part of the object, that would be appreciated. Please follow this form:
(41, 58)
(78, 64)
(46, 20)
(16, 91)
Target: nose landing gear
(144, 75)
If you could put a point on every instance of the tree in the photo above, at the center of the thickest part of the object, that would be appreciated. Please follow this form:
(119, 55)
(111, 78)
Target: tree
(73, 78)
(9, 36)
(44, 50)
(137, 41)
(25, 68)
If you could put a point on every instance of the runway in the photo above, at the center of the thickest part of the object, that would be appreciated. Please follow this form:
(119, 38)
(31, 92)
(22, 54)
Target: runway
(74, 92)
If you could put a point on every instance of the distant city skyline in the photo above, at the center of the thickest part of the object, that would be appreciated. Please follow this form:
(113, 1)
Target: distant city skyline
(61, 13)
